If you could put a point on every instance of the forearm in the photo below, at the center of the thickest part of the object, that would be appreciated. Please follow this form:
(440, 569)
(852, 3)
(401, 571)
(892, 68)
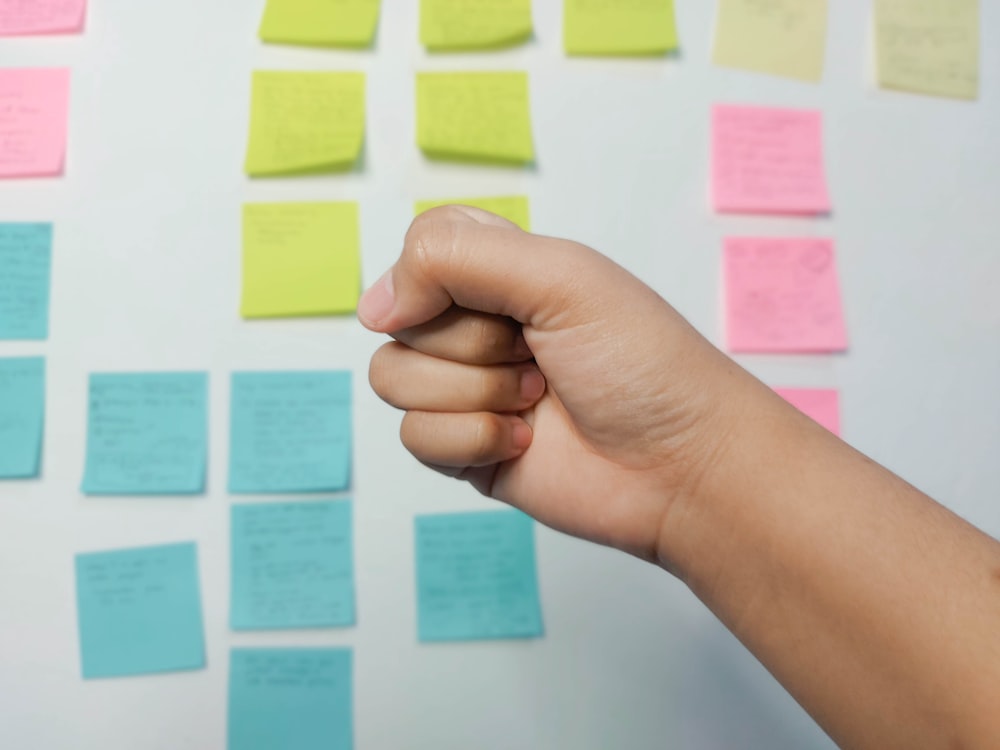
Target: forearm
(878, 609)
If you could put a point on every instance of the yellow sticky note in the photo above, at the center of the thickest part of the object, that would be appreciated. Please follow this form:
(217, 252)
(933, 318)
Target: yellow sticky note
(300, 259)
(619, 27)
(779, 37)
(479, 117)
(324, 23)
(305, 122)
(928, 46)
(513, 208)
(474, 24)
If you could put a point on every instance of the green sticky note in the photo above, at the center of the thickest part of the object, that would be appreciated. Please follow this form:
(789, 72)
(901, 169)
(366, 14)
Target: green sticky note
(619, 27)
(305, 123)
(321, 23)
(139, 611)
(476, 576)
(928, 46)
(300, 259)
(513, 208)
(290, 699)
(474, 24)
(25, 262)
(476, 117)
(780, 37)
(22, 416)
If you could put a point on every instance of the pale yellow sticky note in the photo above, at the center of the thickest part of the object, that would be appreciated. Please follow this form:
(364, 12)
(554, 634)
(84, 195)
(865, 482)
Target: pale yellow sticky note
(324, 23)
(778, 37)
(928, 46)
(513, 208)
(300, 259)
(479, 117)
(305, 122)
(619, 27)
(474, 24)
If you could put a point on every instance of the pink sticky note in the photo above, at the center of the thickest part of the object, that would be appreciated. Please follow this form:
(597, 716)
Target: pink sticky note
(782, 295)
(767, 160)
(821, 404)
(25, 17)
(34, 108)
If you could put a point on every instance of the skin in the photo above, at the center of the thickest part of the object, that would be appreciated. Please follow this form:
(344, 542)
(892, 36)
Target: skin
(545, 375)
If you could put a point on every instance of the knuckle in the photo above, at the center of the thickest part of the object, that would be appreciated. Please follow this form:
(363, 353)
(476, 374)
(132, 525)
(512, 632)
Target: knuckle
(487, 436)
(431, 238)
(381, 370)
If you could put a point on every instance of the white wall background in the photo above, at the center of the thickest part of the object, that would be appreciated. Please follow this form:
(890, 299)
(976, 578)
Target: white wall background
(146, 277)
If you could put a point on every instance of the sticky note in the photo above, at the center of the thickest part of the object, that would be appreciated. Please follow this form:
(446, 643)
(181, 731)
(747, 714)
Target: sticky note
(300, 259)
(474, 24)
(292, 565)
(478, 117)
(820, 404)
(290, 432)
(513, 208)
(782, 295)
(476, 576)
(779, 37)
(619, 27)
(305, 123)
(139, 611)
(22, 416)
(283, 698)
(768, 160)
(34, 111)
(26, 17)
(146, 434)
(928, 46)
(321, 23)
(25, 264)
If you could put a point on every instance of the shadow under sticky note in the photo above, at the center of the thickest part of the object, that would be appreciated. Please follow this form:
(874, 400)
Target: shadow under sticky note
(300, 259)
(22, 416)
(820, 404)
(456, 25)
(782, 295)
(147, 434)
(320, 23)
(476, 576)
(475, 117)
(305, 122)
(31, 17)
(290, 432)
(139, 611)
(292, 565)
(619, 27)
(25, 265)
(513, 208)
(34, 111)
(283, 698)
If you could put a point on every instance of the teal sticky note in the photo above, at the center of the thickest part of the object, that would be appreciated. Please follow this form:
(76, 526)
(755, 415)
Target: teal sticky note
(282, 698)
(476, 576)
(139, 611)
(25, 267)
(147, 434)
(290, 432)
(22, 416)
(292, 565)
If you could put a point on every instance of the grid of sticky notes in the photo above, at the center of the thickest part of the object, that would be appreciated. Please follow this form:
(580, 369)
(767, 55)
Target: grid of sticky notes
(619, 27)
(34, 112)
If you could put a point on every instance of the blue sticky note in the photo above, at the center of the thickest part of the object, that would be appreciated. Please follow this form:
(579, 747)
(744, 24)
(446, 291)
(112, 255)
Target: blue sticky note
(290, 432)
(22, 416)
(282, 698)
(25, 267)
(139, 611)
(476, 576)
(147, 434)
(292, 565)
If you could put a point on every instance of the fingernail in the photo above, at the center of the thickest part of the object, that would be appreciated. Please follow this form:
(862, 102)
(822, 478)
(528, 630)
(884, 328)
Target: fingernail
(532, 385)
(376, 303)
(521, 436)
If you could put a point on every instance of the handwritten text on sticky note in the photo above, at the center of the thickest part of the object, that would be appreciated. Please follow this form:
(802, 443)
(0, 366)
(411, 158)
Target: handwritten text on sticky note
(474, 24)
(619, 27)
(24, 17)
(821, 404)
(34, 107)
(25, 261)
(513, 208)
(22, 416)
(322, 23)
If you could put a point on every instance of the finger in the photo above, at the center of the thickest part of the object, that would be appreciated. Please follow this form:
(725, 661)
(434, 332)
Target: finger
(466, 336)
(409, 380)
(460, 440)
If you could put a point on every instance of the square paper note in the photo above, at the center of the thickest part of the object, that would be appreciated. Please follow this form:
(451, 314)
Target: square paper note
(300, 259)
(292, 565)
(821, 404)
(782, 295)
(22, 416)
(25, 260)
(290, 432)
(768, 161)
(26, 17)
(619, 27)
(139, 611)
(474, 24)
(513, 208)
(321, 23)
(476, 576)
(34, 107)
